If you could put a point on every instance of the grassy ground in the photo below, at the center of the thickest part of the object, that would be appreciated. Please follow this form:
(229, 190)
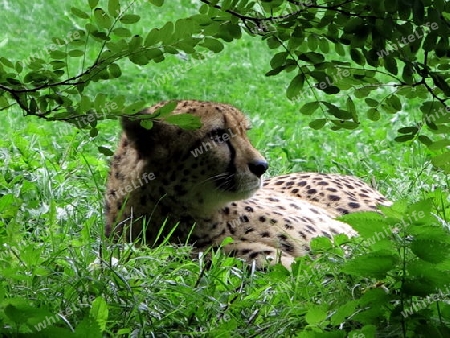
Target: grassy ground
(52, 182)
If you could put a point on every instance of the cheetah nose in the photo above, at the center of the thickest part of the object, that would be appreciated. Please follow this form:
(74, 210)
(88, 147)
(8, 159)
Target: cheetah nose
(258, 167)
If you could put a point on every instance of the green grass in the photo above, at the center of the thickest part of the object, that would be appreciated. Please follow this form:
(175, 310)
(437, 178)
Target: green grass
(51, 200)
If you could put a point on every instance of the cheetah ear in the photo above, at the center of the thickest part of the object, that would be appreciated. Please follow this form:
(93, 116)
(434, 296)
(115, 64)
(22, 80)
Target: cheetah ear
(147, 141)
(133, 128)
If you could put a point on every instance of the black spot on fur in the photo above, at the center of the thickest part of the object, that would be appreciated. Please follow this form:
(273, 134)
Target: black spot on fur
(343, 211)
(326, 234)
(253, 255)
(244, 219)
(354, 205)
(282, 237)
(230, 228)
(310, 228)
(295, 206)
(287, 246)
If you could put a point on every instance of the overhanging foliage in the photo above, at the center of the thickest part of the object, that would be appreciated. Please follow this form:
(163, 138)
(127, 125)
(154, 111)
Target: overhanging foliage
(350, 48)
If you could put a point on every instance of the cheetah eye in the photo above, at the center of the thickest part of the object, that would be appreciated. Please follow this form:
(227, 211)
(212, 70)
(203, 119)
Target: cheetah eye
(217, 133)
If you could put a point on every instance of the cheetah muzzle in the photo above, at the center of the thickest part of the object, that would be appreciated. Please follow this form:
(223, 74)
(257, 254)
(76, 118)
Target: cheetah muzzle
(211, 177)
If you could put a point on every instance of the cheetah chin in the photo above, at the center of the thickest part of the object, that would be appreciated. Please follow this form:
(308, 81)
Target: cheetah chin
(212, 177)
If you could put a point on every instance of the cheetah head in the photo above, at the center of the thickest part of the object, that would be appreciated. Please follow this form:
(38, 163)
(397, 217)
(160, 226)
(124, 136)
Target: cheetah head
(200, 169)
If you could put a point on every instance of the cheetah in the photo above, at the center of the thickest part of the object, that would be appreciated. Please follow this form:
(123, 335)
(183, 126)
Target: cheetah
(201, 186)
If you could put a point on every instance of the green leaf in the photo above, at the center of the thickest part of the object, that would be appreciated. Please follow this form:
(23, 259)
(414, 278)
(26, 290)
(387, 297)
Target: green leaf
(93, 3)
(357, 56)
(135, 108)
(331, 90)
(99, 311)
(408, 130)
(374, 264)
(371, 102)
(295, 86)
(85, 103)
(425, 140)
(79, 13)
(166, 32)
(431, 250)
(312, 42)
(369, 225)
(344, 312)
(114, 8)
(93, 132)
(309, 108)
(166, 109)
(408, 71)
(76, 53)
(442, 161)
(122, 32)
(353, 25)
(321, 244)
(88, 328)
(390, 64)
(394, 102)
(158, 3)
(100, 102)
(115, 70)
(324, 46)
(147, 124)
(278, 60)
(102, 18)
(152, 37)
(316, 314)
(352, 109)
(185, 121)
(129, 19)
(317, 124)
(441, 83)
(105, 151)
(404, 138)
(58, 55)
(439, 145)
(212, 44)
(6, 62)
(139, 58)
